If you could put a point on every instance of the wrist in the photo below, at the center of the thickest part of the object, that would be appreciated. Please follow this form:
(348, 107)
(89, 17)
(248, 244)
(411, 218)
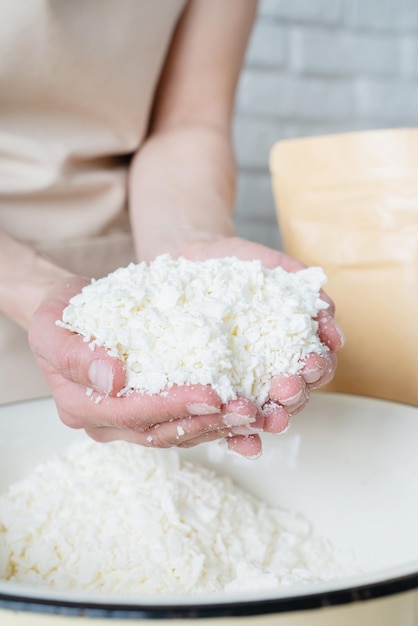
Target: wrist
(26, 278)
(186, 242)
(181, 190)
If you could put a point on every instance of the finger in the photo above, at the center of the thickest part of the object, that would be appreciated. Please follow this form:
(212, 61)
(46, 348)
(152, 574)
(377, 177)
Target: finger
(105, 434)
(319, 369)
(331, 364)
(290, 391)
(329, 332)
(67, 352)
(217, 435)
(136, 411)
(184, 431)
(276, 418)
(249, 446)
(240, 412)
(76, 362)
(164, 435)
(314, 368)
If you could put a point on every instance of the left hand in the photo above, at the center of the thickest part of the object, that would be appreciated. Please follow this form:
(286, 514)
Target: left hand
(288, 394)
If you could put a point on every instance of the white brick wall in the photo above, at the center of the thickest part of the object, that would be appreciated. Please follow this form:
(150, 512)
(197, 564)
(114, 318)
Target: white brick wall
(326, 52)
(322, 11)
(316, 67)
(395, 16)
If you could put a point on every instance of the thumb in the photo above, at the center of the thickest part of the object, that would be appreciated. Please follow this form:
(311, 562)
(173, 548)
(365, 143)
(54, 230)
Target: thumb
(67, 352)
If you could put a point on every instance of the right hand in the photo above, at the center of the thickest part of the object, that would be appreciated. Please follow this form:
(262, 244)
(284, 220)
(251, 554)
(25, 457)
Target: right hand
(85, 386)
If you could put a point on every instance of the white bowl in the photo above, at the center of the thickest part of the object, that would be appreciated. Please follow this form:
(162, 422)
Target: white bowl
(349, 464)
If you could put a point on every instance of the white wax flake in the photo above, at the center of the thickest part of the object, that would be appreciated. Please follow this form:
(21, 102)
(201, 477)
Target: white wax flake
(226, 323)
(120, 518)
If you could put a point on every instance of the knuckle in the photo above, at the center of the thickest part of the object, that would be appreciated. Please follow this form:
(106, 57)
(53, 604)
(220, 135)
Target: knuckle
(70, 362)
(128, 421)
(159, 437)
(101, 435)
(70, 420)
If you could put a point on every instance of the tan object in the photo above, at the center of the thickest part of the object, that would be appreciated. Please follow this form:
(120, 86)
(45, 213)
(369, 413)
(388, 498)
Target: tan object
(76, 89)
(349, 203)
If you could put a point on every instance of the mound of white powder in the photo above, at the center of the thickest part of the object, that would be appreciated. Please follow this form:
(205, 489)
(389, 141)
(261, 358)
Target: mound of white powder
(122, 518)
(226, 323)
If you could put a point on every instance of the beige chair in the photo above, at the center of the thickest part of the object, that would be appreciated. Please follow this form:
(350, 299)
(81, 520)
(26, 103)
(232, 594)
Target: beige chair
(349, 203)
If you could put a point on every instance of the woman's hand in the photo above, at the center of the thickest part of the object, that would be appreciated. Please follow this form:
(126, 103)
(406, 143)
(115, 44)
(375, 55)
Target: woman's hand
(85, 386)
(288, 394)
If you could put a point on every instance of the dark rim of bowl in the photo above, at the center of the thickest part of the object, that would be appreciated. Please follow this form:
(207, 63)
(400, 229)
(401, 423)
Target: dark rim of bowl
(115, 610)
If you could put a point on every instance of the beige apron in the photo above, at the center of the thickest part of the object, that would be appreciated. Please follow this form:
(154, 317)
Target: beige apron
(77, 80)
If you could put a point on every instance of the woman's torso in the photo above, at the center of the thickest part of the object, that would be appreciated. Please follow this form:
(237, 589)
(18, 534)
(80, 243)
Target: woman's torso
(77, 79)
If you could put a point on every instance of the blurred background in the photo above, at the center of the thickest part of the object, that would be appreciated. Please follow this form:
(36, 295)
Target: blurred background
(319, 67)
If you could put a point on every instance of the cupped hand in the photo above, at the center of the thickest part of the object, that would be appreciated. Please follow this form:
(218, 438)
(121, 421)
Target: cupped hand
(288, 394)
(85, 385)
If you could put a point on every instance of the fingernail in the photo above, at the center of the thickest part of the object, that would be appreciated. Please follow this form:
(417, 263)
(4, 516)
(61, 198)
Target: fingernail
(245, 430)
(101, 376)
(326, 322)
(202, 409)
(236, 419)
(293, 399)
(313, 375)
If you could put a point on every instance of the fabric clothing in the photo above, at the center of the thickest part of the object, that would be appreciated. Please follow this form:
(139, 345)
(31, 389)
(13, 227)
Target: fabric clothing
(77, 81)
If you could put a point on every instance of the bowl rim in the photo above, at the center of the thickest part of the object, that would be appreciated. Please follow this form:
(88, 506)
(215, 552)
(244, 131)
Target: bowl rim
(285, 604)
